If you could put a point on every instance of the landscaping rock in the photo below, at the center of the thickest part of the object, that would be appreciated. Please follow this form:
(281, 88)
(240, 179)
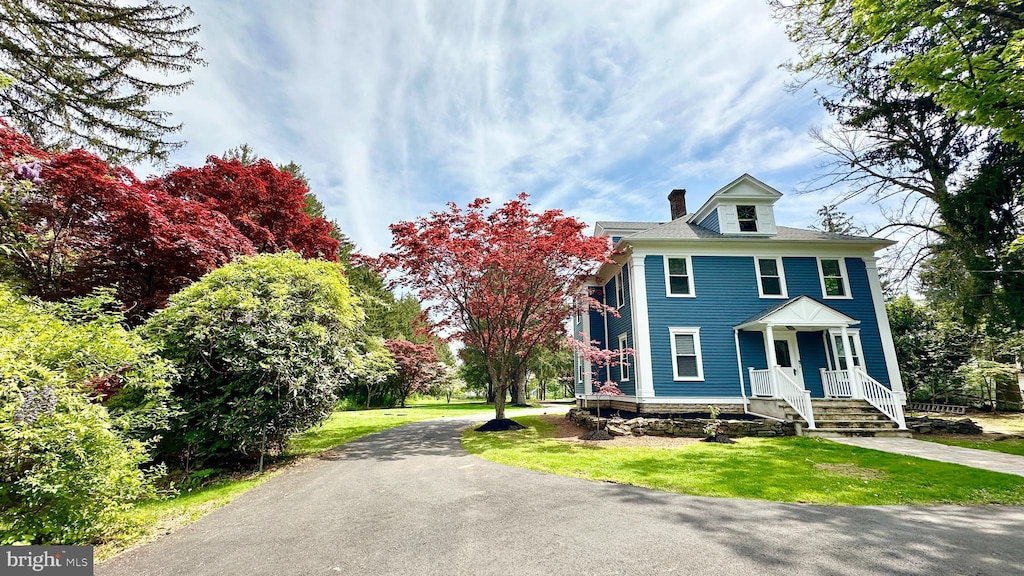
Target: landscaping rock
(927, 425)
(685, 426)
(596, 435)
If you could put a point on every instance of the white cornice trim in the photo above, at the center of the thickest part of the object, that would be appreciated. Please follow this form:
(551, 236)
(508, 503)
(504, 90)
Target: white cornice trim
(752, 247)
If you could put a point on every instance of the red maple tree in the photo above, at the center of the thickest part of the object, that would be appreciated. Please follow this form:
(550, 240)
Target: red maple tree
(502, 282)
(417, 366)
(265, 204)
(82, 223)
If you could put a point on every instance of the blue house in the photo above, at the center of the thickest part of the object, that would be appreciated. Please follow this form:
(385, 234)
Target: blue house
(723, 306)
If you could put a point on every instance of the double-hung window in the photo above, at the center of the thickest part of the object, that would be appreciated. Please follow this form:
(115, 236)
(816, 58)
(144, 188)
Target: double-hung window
(678, 276)
(839, 349)
(771, 280)
(623, 359)
(620, 288)
(687, 363)
(747, 216)
(835, 282)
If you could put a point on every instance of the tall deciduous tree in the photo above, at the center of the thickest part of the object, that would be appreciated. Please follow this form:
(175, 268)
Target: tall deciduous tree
(971, 55)
(416, 365)
(83, 72)
(501, 282)
(264, 203)
(78, 223)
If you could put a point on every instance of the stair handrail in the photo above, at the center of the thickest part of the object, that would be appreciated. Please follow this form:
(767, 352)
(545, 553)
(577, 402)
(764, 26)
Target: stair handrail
(882, 398)
(796, 396)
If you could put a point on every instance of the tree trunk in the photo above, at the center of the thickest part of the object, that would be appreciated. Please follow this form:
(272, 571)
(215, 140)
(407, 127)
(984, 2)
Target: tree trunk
(499, 405)
(519, 389)
(490, 391)
(368, 396)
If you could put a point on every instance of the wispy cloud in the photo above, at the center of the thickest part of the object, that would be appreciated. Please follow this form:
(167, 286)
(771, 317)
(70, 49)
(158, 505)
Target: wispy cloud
(598, 108)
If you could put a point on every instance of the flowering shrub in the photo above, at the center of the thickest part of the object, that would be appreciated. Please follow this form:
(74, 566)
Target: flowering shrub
(69, 466)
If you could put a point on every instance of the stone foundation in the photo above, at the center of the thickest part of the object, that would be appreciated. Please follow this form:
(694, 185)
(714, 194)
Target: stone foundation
(942, 426)
(680, 427)
(654, 409)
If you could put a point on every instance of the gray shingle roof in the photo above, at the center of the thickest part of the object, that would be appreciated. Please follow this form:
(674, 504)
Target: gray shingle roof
(680, 229)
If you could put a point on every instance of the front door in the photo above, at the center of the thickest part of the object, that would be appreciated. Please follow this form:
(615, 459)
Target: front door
(787, 356)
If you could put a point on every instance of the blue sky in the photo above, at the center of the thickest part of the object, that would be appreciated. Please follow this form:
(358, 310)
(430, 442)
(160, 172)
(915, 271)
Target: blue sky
(394, 107)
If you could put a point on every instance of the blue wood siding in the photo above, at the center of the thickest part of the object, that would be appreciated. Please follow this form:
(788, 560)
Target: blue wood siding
(711, 222)
(726, 295)
(802, 277)
(812, 357)
(597, 326)
(616, 326)
(752, 352)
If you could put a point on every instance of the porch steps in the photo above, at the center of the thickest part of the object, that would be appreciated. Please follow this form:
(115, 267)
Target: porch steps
(838, 418)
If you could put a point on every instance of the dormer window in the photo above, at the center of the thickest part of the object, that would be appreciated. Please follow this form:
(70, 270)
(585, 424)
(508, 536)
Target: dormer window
(747, 216)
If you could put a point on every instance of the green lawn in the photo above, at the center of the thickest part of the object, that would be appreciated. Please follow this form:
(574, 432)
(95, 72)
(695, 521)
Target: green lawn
(152, 518)
(781, 469)
(1011, 446)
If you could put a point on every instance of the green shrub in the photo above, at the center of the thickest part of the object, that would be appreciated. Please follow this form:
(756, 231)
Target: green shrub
(65, 476)
(85, 347)
(261, 345)
(68, 470)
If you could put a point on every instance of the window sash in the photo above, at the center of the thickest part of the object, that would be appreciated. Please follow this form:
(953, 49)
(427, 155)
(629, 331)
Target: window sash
(687, 363)
(679, 276)
(839, 351)
(833, 279)
(620, 289)
(747, 217)
(623, 364)
(769, 272)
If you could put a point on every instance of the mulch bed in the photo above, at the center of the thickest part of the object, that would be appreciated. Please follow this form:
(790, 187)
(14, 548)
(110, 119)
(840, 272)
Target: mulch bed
(500, 425)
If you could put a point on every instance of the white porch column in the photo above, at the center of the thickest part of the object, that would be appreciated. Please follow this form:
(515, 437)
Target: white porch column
(644, 372)
(850, 368)
(769, 349)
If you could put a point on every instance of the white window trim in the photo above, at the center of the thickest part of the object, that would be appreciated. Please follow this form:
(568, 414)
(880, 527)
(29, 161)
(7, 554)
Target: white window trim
(623, 361)
(620, 289)
(846, 279)
(739, 221)
(689, 271)
(833, 358)
(782, 277)
(695, 331)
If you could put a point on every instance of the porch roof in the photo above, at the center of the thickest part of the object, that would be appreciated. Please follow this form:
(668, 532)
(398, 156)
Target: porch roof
(800, 312)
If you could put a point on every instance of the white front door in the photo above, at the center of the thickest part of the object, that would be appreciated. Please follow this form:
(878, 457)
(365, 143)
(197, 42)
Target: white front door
(787, 356)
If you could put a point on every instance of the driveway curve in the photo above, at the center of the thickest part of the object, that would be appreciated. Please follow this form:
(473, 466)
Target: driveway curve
(410, 501)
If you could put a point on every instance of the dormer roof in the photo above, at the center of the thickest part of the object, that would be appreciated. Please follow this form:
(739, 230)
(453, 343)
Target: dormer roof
(746, 188)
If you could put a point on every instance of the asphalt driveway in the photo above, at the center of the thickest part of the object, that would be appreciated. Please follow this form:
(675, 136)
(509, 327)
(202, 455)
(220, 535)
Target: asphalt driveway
(410, 501)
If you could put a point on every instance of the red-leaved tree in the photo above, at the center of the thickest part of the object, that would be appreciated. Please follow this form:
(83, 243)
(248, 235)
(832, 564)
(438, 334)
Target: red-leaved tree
(80, 223)
(417, 366)
(502, 282)
(264, 203)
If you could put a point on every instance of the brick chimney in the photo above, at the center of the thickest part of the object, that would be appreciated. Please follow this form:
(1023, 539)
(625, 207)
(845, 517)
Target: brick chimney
(677, 201)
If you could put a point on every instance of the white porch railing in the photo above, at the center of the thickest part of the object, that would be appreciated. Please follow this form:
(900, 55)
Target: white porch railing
(795, 395)
(761, 383)
(785, 387)
(882, 398)
(836, 383)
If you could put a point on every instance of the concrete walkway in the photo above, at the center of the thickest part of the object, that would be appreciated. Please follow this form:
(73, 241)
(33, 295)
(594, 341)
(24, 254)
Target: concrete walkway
(985, 459)
(410, 501)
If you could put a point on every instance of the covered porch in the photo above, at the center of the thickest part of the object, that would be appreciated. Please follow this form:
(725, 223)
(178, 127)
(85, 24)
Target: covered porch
(802, 349)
